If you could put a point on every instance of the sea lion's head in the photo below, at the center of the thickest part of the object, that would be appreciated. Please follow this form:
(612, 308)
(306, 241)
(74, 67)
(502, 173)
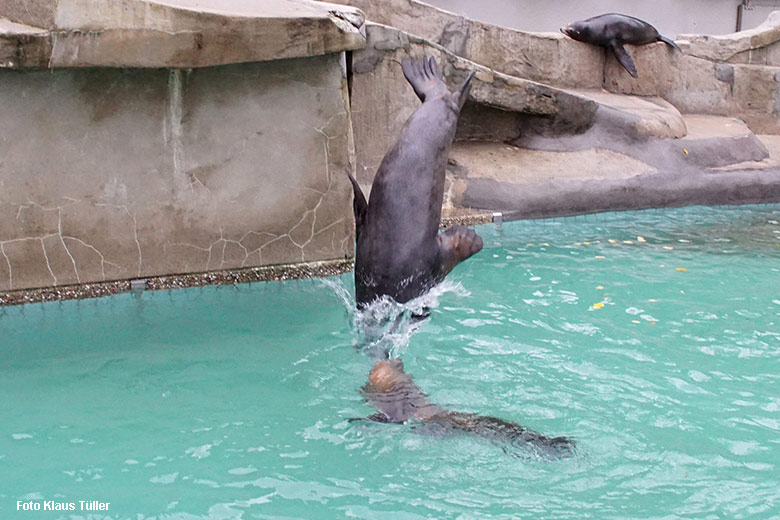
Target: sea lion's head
(457, 244)
(394, 395)
(576, 30)
(386, 374)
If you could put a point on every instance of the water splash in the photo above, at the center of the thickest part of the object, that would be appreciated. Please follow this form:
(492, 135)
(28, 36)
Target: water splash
(337, 286)
(384, 328)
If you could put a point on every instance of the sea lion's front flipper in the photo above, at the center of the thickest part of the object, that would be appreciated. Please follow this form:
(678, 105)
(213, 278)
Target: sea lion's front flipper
(424, 77)
(377, 417)
(624, 58)
(462, 93)
(668, 42)
(359, 204)
(457, 244)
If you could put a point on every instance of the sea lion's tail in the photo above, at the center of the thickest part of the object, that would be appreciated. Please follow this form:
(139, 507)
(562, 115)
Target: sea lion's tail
(424, 77)
(668, 42)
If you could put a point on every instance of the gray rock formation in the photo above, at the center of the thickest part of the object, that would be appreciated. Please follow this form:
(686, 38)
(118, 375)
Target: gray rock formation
(576, 124)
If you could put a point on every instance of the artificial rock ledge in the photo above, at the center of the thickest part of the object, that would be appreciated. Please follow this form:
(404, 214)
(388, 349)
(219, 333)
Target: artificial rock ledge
(172, 33)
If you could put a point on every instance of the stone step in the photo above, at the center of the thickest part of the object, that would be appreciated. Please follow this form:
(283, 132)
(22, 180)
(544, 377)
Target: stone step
(717, 141)
(710, 141)
(701, 168)
(772, 143)
(650, 116)
(723, 143)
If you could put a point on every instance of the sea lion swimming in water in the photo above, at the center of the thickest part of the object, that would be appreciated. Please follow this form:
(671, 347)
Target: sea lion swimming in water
(613, 30)
(397, 399)
(399, 251)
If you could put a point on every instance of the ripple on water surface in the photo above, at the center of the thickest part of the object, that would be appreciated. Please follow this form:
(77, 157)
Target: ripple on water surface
(652, 338)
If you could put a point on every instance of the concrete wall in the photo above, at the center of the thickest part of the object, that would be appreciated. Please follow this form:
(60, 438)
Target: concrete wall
(123, 173)
(671, 17)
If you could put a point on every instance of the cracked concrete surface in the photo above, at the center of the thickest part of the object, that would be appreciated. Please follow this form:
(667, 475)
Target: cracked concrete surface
(151, 172)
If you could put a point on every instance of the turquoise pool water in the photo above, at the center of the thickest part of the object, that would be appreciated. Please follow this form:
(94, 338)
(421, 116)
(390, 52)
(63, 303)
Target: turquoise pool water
(652, 338)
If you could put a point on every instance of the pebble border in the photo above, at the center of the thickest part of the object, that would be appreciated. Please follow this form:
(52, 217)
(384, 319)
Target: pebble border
(153, 283)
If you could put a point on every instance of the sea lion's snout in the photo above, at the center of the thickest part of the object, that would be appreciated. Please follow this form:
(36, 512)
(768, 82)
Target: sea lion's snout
(457, 244)
(469, 243)
(570, 31)
(476, 243)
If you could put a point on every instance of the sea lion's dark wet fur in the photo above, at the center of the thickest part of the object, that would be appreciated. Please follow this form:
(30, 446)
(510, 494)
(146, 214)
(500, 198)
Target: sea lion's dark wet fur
(397, 399)
(612, 31)
(399, 251)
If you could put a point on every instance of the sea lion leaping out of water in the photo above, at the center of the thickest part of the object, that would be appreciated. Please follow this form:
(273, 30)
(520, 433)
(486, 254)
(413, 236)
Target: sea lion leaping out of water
(397, 399)
(399, 251)
(613, 30)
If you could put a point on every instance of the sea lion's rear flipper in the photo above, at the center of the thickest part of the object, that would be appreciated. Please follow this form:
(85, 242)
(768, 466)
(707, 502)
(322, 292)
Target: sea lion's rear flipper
(512, 435)
(359, 204)
(455, 245)
(424, 77)
(624, 58)
(668, 42)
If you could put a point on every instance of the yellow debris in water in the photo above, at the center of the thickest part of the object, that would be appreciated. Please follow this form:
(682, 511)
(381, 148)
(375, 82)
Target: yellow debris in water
(586, 243)
(636, 321)
(599, 256)
(529, 244)
(681, 269)
(641, 239)
(597, 305)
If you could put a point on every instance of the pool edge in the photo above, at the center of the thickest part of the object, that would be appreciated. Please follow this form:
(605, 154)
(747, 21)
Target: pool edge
(270, 273)
(178, 281)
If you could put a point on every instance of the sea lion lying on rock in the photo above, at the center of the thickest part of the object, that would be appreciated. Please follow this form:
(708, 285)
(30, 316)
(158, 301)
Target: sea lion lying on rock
(612, 31)
(397, 399)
